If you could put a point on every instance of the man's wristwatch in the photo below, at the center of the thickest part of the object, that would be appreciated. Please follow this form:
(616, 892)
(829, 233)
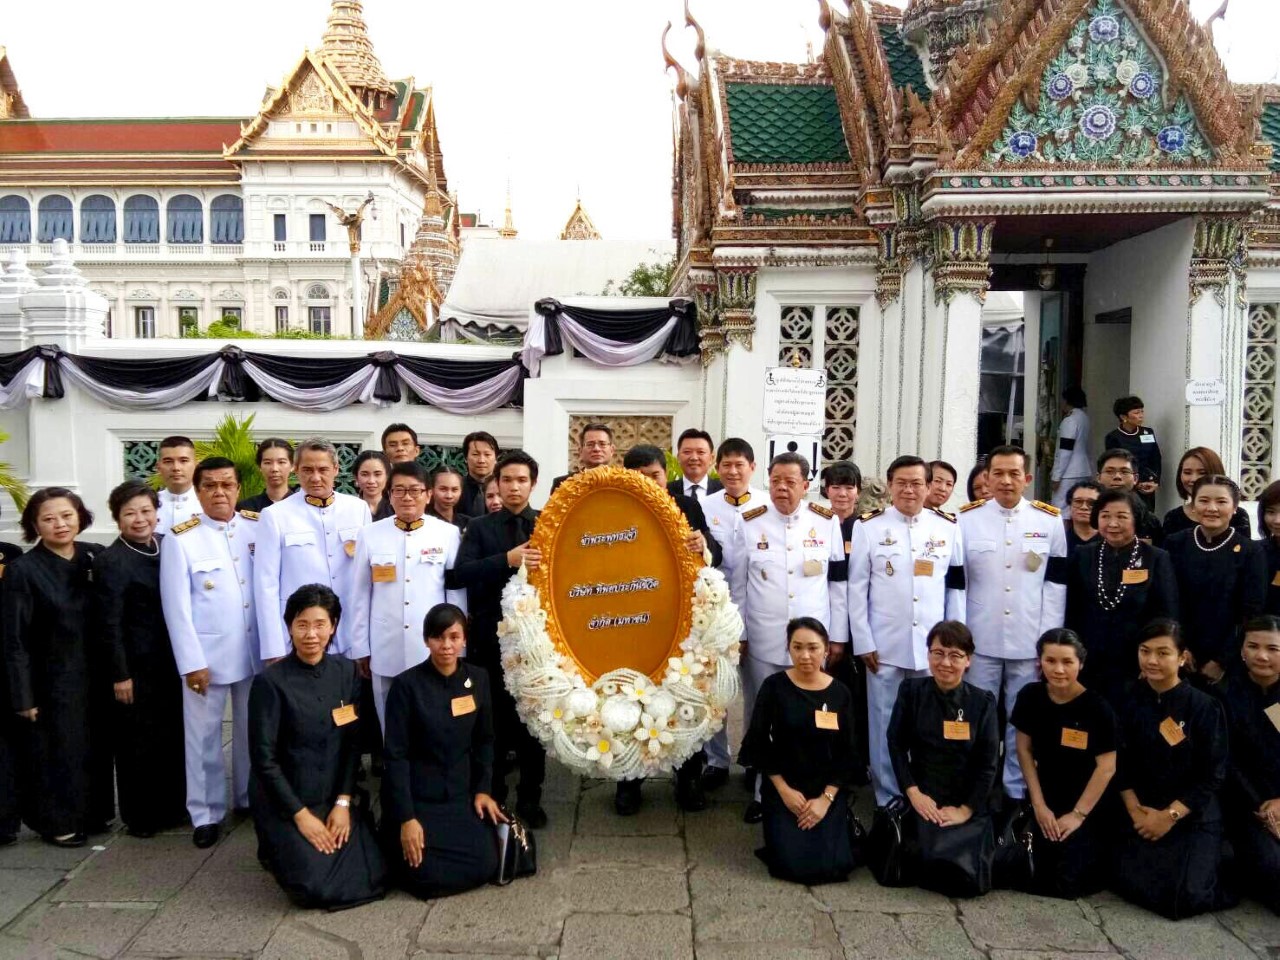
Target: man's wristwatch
(1174, 814)
(831, 797)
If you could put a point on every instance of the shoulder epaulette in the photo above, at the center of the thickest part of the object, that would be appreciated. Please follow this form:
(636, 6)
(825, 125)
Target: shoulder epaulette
(943, 514)
(185, 525)
(820, 510)
(1048, 508)
(249, 514)
(754, 512)
(972, 505)
(871, 514)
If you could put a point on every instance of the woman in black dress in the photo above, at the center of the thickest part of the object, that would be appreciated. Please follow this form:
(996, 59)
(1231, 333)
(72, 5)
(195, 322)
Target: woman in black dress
(57, 685)
(1079, 522)
(1067, 751)
(1173, 759)
(1222, 578)
(801, 738)
(1114, 586)
(303, 747)
(1251, 796)
(10, 817)
(275, 463)
(147, 724)
(944, 741)
(1196, 463)
(438, 765)
(371, 472)
(1269, 528)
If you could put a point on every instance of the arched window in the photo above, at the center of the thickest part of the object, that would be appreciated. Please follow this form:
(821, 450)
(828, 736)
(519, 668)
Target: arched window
(226, 219)
(56, 218)
(317, 291)
(185, 218)
(97, 219)
(141, 219)
(15, 219)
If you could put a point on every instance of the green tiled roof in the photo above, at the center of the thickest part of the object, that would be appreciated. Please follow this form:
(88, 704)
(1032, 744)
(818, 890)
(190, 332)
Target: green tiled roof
(904, 62)
(785, 123)
(1271, 130)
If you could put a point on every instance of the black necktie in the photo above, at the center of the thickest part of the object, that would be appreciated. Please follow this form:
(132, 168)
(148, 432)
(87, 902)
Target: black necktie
(693, 490)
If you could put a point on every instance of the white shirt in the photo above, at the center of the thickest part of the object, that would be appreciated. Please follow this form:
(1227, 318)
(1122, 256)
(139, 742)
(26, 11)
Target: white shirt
(780, 566)
(302, 540)
(898, 572)
(175, 508)
(1009, 600)
(206, 592)
(397, 575)
(1072, 456)
(686, 486)
(724, 517)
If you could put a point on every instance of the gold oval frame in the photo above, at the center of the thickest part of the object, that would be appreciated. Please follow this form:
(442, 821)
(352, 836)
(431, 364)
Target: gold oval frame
(649, 496)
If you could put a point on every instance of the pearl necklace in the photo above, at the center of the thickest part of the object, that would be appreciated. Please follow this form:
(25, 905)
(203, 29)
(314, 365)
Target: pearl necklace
(154, 552)
(1110, 602)
(1195, 535)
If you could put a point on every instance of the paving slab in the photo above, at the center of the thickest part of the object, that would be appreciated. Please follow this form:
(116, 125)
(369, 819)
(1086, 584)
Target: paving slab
(731, 902)
(861, 893)
(718, 836)
(659, 852)
(32, 852)
(1012, 921)
(1145, 936)
(555, 839)
(597, 818)
(294, 939)
(528, 913)
(211, 915)
(766, 951)
(634, 890)
(236, 851)
(132, 869)
(562, 785)
(384, 930)
(95, 931)
(1256, 925)
(11, 948)
(913, 936)
(21, 888)
(619, 937)
(1050, 955)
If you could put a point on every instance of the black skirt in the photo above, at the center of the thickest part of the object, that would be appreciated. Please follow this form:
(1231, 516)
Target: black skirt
(461, 850)
(1176, 876)
(352, 875)
(820, 855)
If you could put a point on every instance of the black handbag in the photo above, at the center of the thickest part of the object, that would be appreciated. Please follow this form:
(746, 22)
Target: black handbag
(857, 837)
(887, 847)
(517, 850)
(956, 861)
(1014, 865)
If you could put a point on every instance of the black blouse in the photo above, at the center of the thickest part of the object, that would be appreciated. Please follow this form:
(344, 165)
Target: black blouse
(1191, 770)
(1253, 766)
(299, 755)
(784, 738)
(132, 622)
(1218, 590)
(261, 501)
(952, 772)
(1073, 538)
(1271, 551)
(1176, 520)
(432, 754)
(1066, 740)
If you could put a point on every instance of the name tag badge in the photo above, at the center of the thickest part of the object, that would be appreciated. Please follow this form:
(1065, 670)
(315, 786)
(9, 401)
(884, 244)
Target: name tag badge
(344, 714)
(350, 547)
(383, 573)
(811, 568)
(957, 729)
(1171, 730)
(1075, 739)
(825, 719)
(1148, 438)
(924, 568)
(1134, 576)
(461, 706)
(1033, 561)
(1273, 714)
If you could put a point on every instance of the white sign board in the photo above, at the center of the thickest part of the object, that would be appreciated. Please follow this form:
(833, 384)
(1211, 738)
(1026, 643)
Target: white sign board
(795, 401)
(807, 447)
(1206, 393)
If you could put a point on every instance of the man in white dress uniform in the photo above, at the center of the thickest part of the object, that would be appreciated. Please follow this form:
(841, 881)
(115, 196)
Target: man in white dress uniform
(178, 503)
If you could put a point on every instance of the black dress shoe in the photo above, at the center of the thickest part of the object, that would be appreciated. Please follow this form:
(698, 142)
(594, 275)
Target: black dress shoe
(691, 797)
(627, 799)
(713, 778)
(206, 836)
(142, 833)
(69, 840)
(754, 812)
(534, 817)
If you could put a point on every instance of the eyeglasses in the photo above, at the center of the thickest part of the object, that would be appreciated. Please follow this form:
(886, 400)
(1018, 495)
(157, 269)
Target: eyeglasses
(1085, 502)
(1113, 472)
(408, 491)
(909, 484)
(950, 656)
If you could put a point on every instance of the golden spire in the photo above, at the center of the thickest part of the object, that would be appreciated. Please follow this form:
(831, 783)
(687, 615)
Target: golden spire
(508, 230)
(579, 225)
(347, 46)
(432, 206)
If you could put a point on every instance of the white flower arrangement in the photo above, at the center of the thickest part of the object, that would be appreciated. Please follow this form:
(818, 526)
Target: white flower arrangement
(623, 726)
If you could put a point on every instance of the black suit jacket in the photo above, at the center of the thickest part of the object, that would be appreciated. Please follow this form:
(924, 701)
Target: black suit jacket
(676, 487)
(483, 570)
(692, 511)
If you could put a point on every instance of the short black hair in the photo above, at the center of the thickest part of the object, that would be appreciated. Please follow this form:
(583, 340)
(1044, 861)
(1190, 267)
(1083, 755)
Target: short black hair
(933, 465)
(514, 458)
(408, 468)
(400, 428)
(1108, 497)
(1162, 627)
(1076, 397)
(478, 436)
(440, 618)
(1093, 485)
(1125, 405)
(1062, 637)
(595, 428)
(365, 456)
(312, 595)
(693, 433)
(444, 470)
(1007, 450)
(842, 473)
(272, 443)
(1262, 623)
(643, 455)
(177, 440)
(953, 634)
(1270, 497)
(1117, 453)
(213, 463)
(807, 623)
(904, 462)
(30, 532)
(1217, 480)
(735, 446)
(978, 468)
(127, 491)
(789, 458)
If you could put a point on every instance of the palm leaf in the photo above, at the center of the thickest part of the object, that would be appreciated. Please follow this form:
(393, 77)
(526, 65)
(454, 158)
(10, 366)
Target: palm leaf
(233, 439)
(9, 483)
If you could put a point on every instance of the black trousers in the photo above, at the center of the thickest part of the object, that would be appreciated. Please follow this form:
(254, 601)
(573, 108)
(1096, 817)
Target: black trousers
(511, 734)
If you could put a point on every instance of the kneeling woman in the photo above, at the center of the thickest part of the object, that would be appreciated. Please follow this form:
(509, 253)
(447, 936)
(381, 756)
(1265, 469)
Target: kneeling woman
(304, 745)
(1067, 751)
(1173, 758)
(801, 739)
(944, 743)
(438, 764)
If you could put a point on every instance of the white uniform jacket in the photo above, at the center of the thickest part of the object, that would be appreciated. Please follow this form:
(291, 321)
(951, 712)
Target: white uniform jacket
(304, 540)
(1015, 575)
(397, 576)
(206, 592)
(175, 508)
(905, 574)
(789, 566)
(1072, 459)
(724, 518)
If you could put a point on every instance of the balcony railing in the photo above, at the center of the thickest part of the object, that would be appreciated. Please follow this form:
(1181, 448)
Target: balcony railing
(134, 252)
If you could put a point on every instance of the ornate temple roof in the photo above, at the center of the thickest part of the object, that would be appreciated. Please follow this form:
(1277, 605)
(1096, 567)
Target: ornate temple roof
(347, 46)
(794, 123)
(579, 225)
(12, 106)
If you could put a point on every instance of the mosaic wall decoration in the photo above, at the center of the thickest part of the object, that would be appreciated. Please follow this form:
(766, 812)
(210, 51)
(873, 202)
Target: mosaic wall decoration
(140, 458)
(627, 433)
(841, 356)
(795, 337)
(1258, 434)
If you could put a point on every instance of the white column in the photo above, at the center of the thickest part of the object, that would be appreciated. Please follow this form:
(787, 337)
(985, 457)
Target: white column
(357, 297)
(15, 281)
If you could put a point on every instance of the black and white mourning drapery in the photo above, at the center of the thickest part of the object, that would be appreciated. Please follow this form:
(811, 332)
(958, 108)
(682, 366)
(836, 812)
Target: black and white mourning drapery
(628, 335)
(316, 384)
